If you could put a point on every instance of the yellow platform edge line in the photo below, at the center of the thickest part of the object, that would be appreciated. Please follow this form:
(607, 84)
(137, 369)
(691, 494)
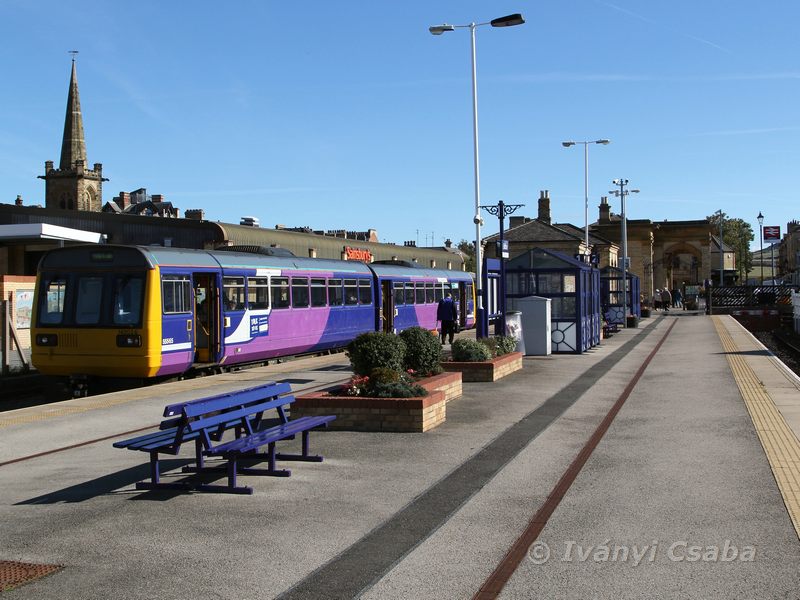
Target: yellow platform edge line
(777, 439)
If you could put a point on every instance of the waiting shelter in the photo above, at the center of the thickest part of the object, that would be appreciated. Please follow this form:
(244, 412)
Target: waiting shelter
(574, 289)
(612, 294)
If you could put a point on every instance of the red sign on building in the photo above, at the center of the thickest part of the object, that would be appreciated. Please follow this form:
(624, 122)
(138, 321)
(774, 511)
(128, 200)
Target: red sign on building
(361, 254)
(772, 233)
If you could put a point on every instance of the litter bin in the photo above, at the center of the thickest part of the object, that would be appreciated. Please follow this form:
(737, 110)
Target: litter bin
(535, 325)
(514, 329)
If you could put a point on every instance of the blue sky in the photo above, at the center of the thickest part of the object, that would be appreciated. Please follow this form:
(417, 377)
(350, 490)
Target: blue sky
(351, 115)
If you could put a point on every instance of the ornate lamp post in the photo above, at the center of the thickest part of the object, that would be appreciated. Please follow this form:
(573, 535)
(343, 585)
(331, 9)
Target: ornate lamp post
(501, 210)
(507, 21)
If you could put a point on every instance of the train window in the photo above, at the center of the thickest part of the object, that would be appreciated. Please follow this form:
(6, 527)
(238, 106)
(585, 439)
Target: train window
(335, 295)
(429, 295)
(233, 293)
(419, 292)
(409, 293)
(350, 291)
(399, 295)
(176, 293)
(364, 291)
(51, 310)
(257, 293)
(128, 299)
(279, 289)
(319, 295)
(299, 292)
(437, 292)
(89, 302)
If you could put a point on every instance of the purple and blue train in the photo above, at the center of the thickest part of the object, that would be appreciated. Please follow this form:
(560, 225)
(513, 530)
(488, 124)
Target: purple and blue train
(147, 312)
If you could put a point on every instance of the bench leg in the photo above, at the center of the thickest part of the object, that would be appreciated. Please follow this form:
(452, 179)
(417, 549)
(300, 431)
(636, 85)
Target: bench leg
(199, 459)
(155, 478)
(305, 456)
(231, 488)
(270, 457)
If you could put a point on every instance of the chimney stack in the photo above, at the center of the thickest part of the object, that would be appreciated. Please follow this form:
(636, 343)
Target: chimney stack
(544, 206)
(18, 201)
(605, 210)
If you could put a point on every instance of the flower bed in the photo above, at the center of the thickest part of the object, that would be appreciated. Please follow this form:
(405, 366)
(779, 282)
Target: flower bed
(362, 413)
(487, 370)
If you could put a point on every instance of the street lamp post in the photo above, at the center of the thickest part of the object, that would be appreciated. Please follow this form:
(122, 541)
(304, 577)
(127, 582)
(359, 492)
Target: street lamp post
(507, 21)
(621, 193)
(760, 218)
(501, 210)
(586, 182)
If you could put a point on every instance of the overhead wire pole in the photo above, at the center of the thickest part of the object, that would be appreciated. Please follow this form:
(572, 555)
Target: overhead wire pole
(604, 142)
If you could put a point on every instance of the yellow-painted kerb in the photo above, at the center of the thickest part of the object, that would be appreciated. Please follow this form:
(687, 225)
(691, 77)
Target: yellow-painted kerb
(780, 444)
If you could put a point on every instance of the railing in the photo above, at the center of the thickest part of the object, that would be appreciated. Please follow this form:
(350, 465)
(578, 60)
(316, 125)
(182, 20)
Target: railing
(740, 295)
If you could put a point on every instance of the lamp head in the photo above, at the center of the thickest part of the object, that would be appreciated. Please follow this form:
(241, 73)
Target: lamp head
(760, 218)
(604, 142)
(634, 191)
(440, 29)
(508, 21)
(567, 144)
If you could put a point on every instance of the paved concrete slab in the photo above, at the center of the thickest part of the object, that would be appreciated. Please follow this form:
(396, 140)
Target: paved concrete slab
(430, 515)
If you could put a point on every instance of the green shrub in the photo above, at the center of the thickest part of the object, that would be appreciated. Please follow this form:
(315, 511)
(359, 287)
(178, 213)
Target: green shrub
(505, 344)
(376, 349)
(397, 389)
(466, 350)
(491, 344)
(423, 351)
(384, 375)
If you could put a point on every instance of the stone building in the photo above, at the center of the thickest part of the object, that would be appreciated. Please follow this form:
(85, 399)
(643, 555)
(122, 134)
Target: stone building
(525, 233)
(73, 186)
(669, 253)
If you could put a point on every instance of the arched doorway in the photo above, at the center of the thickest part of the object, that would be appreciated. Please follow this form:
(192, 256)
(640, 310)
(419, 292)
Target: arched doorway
(682, 265)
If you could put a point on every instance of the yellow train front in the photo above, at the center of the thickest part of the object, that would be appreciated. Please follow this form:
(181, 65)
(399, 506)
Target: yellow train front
(96, 314)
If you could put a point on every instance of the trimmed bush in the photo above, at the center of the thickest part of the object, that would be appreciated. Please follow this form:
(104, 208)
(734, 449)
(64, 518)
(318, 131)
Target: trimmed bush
(397, 389)
(505, 344)
(376, 349)
(466, 350)
(384, 375)
(423, 351)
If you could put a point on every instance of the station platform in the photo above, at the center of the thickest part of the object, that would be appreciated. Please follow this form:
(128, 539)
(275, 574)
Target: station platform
(664, 463)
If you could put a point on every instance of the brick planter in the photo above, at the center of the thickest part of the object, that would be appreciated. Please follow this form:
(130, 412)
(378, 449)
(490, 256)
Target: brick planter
(489, 370)
(359, 413)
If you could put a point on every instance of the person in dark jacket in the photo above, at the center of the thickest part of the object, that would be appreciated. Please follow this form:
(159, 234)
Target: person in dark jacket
(446, 313)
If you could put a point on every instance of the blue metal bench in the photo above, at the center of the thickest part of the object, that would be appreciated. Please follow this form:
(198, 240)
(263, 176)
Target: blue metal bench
(206, 420)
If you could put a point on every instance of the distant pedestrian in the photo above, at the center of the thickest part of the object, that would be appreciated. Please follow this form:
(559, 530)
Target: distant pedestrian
(657, 299)
(666, 299)
(677, 299)
(446, 313)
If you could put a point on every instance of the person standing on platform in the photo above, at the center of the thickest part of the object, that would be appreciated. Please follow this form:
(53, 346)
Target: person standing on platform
(677, 298)
(666, 299)
(447, 314)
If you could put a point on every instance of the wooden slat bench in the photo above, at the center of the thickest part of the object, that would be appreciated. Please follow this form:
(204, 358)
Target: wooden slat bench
(206, 420)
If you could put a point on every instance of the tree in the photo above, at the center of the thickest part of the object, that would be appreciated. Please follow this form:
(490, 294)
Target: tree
(468, 249)
(737, 234)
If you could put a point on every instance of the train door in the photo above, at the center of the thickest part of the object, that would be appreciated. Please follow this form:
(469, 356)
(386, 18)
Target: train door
(387, 307)
(462, 304)
(206, 322)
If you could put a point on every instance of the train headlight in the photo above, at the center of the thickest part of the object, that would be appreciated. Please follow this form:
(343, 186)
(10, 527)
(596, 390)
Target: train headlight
(129, 341)
(46, 339)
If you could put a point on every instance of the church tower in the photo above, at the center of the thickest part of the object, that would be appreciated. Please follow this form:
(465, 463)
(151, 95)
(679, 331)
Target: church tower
(72, 185)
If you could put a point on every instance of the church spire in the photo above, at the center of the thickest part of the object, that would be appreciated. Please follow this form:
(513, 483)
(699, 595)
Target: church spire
(73, 145)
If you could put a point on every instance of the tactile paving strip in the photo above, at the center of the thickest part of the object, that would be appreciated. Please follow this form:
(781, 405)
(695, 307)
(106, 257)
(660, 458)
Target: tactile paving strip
(13, 574)
(778, 440)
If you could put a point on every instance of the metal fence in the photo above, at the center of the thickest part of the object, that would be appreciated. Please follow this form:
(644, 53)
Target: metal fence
(741, 295)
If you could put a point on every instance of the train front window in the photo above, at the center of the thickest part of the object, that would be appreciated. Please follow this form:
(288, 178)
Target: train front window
(128, 293)
(89, 302)
(51, 309)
